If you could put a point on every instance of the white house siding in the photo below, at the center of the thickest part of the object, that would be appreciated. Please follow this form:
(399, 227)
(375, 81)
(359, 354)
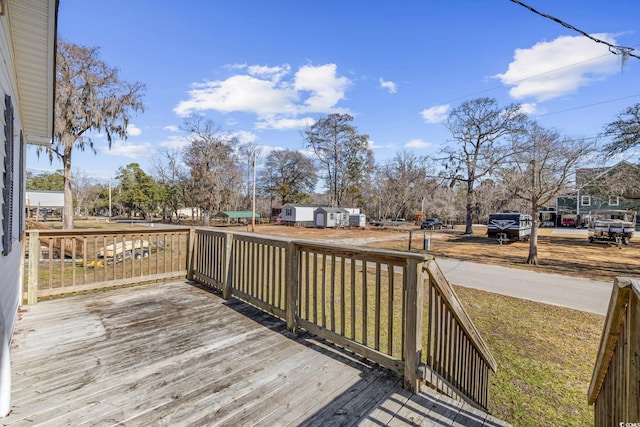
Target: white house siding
(297, 214)
(27, 33)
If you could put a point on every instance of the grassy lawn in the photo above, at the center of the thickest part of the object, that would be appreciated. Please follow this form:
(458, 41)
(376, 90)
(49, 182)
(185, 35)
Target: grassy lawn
(545, 357)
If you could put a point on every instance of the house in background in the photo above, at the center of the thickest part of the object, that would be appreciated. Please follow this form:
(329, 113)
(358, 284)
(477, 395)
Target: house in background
(27, 83)
(298, 215)
(331, 217)
(597, 188)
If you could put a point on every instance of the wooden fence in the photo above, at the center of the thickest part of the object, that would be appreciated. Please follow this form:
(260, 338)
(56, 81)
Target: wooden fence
(395, 308)
(615, 385)
(66, 261)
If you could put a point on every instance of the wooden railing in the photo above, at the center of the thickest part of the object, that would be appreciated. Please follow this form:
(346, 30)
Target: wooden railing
(615, 385)
(369, 301)
(67, 261)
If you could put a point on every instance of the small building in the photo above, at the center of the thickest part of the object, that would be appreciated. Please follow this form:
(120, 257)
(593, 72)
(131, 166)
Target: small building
(331, 217)
(298, 215)
(40, 203)
(236, 217)
(358, 220)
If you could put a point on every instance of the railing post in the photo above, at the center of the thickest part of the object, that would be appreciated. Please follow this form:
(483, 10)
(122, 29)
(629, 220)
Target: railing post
(228, 270)
(413, 324)
(633, 358)
(191, 252)
(34, 268)
(291, 280)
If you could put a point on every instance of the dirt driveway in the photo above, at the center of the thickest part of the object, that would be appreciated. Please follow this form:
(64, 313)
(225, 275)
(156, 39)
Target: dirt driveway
(559, 252)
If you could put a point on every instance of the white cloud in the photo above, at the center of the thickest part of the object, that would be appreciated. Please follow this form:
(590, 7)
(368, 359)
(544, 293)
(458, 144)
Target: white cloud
(529, 108)
(127, 149)
(418, 143)
(374, 146)
(284, 123)
(245, 137)
(275, 95)
(326, 89)
(435, 114)
(172, 128)
(390, 86)
(133, 130)
(552, 69)
(175, 142)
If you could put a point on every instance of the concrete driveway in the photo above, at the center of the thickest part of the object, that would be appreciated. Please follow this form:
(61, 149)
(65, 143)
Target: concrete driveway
(576, 293)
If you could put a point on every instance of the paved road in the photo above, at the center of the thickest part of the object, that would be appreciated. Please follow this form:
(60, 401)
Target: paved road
(580, 294)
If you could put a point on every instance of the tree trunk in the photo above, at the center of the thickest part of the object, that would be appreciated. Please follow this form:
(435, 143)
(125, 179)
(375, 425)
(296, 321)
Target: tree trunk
(67, 212)
(533, 239)
(469, 215)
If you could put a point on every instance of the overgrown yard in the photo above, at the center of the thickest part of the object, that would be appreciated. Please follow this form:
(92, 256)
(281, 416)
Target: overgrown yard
(545, 353)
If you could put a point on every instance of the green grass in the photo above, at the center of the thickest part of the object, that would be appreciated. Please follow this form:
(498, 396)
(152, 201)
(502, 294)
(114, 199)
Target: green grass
(545, 357)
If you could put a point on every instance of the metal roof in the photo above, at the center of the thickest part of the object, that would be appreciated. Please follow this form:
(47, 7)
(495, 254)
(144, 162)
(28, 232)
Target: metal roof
(33, 31)
(236, 214)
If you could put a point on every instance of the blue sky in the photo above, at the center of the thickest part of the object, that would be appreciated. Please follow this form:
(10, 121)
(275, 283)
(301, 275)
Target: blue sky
(264, 70)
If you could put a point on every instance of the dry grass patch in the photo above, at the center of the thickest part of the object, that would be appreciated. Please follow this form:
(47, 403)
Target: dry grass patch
(545, 357)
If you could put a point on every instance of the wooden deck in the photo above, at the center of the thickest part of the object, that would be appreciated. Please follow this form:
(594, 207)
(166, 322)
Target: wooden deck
(178, 355)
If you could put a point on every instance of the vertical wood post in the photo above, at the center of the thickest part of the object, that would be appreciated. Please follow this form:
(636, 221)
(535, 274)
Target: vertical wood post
(413, 324)
(228, 266)
(633, 359)
(291, 280)
(34, 268)
(191, 252)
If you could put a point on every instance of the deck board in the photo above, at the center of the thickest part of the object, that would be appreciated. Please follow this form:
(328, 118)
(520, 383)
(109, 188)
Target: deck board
(175, 354)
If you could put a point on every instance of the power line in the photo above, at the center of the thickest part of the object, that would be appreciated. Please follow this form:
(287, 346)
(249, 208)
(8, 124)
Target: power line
(616, 50)
(589, 105)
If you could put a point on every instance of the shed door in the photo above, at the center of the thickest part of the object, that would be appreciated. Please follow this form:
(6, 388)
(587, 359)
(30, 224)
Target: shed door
(320, 219)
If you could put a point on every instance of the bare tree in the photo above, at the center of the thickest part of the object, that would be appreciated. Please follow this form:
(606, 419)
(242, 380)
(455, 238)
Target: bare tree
(624, 131)
(81, 186)
(171, 176)
(403, 181)
(289, 176)
(89, 97)
(542, 169)
(480, 131)
(215, 181)
(343, 154)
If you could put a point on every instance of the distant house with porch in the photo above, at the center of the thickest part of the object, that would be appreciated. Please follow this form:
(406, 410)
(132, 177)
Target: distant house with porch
(597, 188)
(297, 214)
(331, 217)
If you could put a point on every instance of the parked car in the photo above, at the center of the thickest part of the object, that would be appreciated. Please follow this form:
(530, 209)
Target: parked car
(431, 224)
(376, 223)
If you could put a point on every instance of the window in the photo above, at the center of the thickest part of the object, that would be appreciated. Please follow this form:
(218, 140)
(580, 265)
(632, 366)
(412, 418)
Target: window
(288, 212)
(585, 200)
(21, 193)
(7, 200)
(614, 201)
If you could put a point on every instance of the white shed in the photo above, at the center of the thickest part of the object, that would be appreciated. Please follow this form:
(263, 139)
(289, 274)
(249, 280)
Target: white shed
(296, 214)
(331, 217)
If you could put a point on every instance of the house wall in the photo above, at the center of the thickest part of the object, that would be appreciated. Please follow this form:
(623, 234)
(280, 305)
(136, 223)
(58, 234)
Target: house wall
(10, 263)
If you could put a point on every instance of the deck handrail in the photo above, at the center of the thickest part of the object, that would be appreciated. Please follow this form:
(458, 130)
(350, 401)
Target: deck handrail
(395, 308)
(615, 384)
(72, 264)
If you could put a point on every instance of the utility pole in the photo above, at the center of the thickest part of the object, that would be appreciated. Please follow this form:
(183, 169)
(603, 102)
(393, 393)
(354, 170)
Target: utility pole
(253, 199)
